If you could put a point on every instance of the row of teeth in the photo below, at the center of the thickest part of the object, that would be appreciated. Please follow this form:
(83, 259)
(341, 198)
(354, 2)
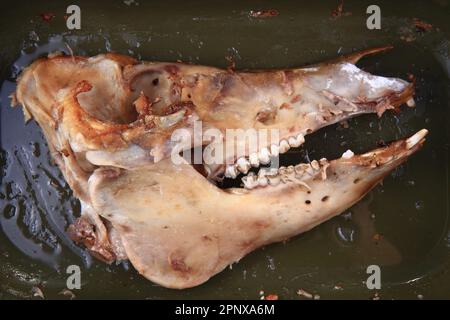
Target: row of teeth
(273, 176)
(243, 164)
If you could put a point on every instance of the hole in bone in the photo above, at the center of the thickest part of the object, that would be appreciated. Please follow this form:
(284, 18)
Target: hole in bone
(308, 201)
(157, 87)
(325, 198)
(356, 180)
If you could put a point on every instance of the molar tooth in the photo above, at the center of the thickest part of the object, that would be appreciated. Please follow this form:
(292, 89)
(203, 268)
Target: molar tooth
(264, 156)
(274, 180)
(282, 170)
(254, 161)
(299, 169)
(293, 142)
(284, 146)
(274, 150)
(231, 172)
(290, 170)
(262, 172)
(263, 181)
(300, 139)
(243, 165)
(250, 181)
(348, 154)
(315, 165)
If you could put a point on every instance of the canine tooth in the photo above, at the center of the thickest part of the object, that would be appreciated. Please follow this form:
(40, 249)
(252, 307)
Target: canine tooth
(315, 165)
(243, 165)
(274, 150)
(254, 161)
(348, 154)
(415, 139)
(231, 172)
(411, 103)
(264, 156)
(263, 181)
(284, 146)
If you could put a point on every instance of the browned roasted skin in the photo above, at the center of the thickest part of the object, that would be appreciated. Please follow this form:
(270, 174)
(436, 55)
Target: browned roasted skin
(109, 120)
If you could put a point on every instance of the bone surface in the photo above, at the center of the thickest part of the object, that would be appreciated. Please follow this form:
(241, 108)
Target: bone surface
(108, 121)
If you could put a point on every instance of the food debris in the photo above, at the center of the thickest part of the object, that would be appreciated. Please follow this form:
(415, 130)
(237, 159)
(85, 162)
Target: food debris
(232, 64)
(271, 297)
(339, 11)
(377, 237)
(376, 296)
(67, 293)
(130, 2)
(37, 292)
(47, 16)
(338, 287)
(305, 294)
(417, 26)
(264, 13)
(344, 124)
(422, 25)
(420, 296)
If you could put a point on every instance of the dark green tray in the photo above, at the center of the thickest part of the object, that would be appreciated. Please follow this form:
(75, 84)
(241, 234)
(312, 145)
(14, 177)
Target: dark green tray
(410, 211)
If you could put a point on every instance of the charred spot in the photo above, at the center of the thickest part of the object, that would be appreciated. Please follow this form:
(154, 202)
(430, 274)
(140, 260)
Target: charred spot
(296, 98)
(206, 238)
(177, 263)
(266, 116)
(177, 106)
(325, 198)
(285, 106)
(111, 173)
(125, 228)
(172, 69)
(261, 224)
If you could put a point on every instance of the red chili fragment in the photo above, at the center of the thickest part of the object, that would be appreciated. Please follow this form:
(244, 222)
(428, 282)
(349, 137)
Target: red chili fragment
(47, 16)
(422, 25)
(264, 13)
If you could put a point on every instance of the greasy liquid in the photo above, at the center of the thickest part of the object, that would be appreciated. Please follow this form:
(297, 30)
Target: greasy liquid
(402, 226)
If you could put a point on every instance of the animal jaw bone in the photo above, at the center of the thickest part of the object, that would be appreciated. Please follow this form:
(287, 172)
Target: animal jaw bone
(108, 121)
